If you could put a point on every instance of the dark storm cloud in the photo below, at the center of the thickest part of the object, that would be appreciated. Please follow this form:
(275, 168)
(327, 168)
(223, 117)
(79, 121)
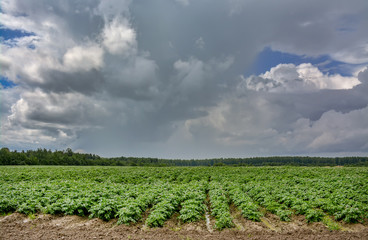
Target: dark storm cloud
(169, 78)
(286, 123)
(63, 82)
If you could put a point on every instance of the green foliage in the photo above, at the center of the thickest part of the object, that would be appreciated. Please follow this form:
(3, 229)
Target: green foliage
(332, 225)
(168, 203)
(192, 210)
(220, 206)
(68, 157)
(106, 209)
(249, 209)
(28, 207)
(160, 213)
(129, 213)
(7, 205)
(350, 214)
(285, 215)
(128, 193)
(300, 207)
(314, 215)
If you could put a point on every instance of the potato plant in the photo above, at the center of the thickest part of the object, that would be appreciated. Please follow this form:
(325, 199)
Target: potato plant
(129, 193)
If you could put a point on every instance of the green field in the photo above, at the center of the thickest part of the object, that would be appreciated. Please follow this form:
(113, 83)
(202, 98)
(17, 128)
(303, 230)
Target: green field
(129, 193)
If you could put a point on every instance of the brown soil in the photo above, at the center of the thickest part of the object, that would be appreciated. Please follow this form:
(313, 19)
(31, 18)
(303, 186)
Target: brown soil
(18, 226)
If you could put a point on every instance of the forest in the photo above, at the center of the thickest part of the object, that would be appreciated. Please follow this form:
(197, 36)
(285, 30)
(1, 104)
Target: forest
(69, 158)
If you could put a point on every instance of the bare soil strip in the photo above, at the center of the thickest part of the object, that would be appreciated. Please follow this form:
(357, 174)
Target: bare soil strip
(18, 226)
(208, 222)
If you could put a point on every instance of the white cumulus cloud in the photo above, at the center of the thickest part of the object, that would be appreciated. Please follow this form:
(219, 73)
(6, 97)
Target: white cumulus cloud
(300, 78)
(83, 58)
(161, 78)
(118, 37)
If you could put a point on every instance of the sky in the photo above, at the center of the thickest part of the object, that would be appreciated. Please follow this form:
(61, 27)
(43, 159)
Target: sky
(185, 79)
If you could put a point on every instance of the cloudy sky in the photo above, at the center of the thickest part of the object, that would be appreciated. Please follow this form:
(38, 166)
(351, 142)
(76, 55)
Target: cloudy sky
(185, 78)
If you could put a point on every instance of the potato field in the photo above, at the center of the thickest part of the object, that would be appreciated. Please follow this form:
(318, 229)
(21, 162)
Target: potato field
(153, 195)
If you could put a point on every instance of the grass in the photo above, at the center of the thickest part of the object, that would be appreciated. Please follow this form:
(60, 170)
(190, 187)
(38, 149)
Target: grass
(331, 224)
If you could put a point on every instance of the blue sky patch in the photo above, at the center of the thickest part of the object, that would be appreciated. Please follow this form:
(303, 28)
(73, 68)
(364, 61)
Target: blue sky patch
(7, 37)
(6, 33)
(6, 83)
(269, 58)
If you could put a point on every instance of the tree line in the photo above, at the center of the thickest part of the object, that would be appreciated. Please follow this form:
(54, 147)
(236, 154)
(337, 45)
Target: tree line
(68, 157)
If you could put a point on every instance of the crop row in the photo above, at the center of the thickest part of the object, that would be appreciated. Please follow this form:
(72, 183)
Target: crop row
(153, 195)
